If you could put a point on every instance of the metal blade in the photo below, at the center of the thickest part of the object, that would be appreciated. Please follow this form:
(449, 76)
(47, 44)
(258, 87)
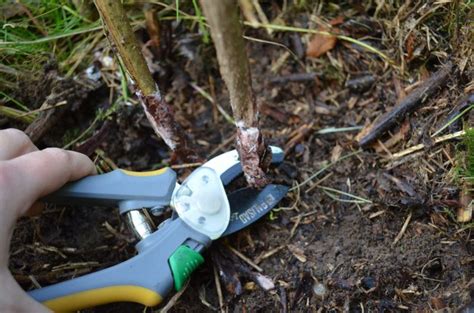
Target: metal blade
(248, 205)
(227, 164)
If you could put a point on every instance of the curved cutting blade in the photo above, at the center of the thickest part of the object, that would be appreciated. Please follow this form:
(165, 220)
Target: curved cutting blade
(248, 205)
(227, 165)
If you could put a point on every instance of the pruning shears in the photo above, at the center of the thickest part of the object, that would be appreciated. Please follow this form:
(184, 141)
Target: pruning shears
(202, 212)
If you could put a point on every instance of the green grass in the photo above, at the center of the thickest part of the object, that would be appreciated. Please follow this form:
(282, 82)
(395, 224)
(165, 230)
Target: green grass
(51, 28)
(464, 169)
(468, 170)
(32, 33)
(202, 25)
(55, 29)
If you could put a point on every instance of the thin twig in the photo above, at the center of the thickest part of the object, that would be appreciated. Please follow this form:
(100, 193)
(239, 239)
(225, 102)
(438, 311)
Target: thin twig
(407, 105)
(454, 119)
(316, 184)
(357, 199)
(45, 108)
(312, 31)
(224, 144)
(378, 213)
(331, 130)
(84, 133)
(206, 95)
(268, 254)
(324, 168)
(219, 289)
(421, 146)
(402, 231)
(244, 258)
(174, 299)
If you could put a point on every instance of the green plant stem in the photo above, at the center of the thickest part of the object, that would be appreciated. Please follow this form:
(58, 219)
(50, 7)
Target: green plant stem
(324, 168)
(17, 114)
(325, 33)
(454, 119)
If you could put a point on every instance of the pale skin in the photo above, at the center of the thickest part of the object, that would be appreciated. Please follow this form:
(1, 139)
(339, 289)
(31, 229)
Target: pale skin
(26, 175)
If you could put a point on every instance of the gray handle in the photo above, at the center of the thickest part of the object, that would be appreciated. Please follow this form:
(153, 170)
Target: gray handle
(146, 278)
(124, 189)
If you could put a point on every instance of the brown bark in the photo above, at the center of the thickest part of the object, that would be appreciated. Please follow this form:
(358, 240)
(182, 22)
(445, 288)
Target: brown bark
(226, 33)
(87, 9)
(159, 113)
(153, 28)
(407, 105)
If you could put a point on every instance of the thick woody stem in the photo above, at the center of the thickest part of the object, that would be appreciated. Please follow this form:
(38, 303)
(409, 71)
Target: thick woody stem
(159, 113)
(226, 33)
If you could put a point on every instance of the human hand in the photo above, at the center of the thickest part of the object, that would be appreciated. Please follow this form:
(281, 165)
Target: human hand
(27, 174)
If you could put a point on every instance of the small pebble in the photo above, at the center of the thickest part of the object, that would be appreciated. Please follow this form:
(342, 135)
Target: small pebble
(319, 290)
(368, 283)
(299, 149)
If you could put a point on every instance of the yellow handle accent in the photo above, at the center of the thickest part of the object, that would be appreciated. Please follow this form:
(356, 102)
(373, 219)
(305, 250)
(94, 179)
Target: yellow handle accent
(147, 173)
(91, 298)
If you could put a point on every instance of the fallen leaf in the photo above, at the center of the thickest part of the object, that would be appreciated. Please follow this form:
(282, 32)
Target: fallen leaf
(323, 109)
(336, 153)
(397, 137)
(364, 131)
(438, 219)
(399, 91)
(410, 43)
(264, 282)
(337, 20)
(320, 44)
(297, 253)
(250, 286)
(437, 303)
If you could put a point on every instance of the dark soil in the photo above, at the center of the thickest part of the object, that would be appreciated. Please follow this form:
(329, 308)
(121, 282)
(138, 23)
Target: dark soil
(325, 243)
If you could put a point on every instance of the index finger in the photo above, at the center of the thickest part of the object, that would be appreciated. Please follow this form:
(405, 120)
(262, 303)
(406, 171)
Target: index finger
(42, 172)
(13, 143)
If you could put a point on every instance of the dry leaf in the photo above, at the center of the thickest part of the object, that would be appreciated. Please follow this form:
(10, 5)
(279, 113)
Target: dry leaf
(336, 153)
(364, 131)
(410, 43)
(250, 286)
(320, 44)
(297, 253)
(397, 137)
(437, 303)
(324, 110)
(264, 282)
(337, 20)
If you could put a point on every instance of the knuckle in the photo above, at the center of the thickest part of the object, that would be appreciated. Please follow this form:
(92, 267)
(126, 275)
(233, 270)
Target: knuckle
(16, 134)
(58, 155)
